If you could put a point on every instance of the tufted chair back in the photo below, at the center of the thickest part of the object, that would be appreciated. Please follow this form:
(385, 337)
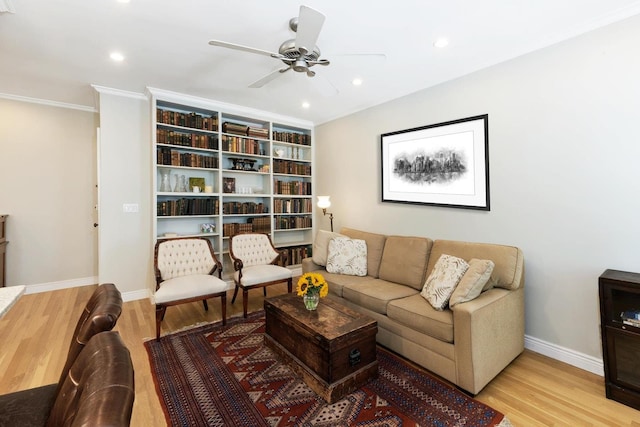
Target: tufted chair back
(98, 390)
(183, 257)
(253, 249)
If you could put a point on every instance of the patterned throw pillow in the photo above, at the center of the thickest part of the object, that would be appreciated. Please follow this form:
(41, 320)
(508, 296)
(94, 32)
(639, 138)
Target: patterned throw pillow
(443, 280)
(473, 281)
(347, 256)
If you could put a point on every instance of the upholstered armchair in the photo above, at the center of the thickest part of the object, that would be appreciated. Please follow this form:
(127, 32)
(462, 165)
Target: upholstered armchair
(255, 261)
(184, 269)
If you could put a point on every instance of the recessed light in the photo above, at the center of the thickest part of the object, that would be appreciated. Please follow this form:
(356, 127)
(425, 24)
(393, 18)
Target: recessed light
(441, 42)
(305, 104)
(357, 81)
(124, 1)
(117, 56)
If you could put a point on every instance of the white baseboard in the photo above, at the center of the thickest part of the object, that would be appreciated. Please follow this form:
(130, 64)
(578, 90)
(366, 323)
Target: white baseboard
(566, 355)
(63, 284)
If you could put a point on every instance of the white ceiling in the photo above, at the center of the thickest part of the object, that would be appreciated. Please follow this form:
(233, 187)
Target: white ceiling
(56, 49)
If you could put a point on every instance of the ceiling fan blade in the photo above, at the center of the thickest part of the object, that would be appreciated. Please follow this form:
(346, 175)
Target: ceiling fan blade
(242, 48)
(310, 23)
(271, 76)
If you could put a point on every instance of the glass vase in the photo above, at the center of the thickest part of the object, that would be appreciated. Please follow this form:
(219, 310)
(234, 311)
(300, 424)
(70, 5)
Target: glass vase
(165, 183)
(311, 301)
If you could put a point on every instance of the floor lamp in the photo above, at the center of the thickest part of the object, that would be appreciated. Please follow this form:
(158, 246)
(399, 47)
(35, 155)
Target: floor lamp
(324, 203)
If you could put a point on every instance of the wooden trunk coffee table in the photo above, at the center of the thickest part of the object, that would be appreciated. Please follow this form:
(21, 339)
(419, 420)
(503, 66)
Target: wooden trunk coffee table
(332, 348)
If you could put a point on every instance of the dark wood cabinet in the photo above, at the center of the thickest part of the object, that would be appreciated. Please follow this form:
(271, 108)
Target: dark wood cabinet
(620, 328)
(3, 250)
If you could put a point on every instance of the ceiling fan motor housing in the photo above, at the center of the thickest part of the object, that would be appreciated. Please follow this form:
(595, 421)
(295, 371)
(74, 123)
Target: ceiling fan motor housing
(298, 59)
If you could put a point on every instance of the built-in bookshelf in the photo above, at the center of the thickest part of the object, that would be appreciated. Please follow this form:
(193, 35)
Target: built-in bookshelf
(219, 172)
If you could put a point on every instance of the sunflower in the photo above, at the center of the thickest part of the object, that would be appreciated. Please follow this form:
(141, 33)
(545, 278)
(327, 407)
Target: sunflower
(312, 283)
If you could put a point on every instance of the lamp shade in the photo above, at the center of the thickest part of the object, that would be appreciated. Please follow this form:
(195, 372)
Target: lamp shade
(324, 202)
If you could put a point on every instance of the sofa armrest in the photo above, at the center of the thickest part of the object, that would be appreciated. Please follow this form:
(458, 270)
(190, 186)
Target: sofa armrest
(488, 335)
(308, 265)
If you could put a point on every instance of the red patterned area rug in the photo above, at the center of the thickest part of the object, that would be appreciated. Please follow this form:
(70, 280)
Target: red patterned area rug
(218, 375)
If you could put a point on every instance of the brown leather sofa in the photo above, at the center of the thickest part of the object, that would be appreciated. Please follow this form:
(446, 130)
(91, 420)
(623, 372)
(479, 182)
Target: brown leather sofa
(32, 407)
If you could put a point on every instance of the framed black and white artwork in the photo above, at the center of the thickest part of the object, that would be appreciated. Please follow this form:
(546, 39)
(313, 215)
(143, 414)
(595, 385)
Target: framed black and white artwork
(444, 164)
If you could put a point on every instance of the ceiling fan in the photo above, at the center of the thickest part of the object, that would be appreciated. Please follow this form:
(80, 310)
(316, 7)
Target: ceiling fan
(298, 54)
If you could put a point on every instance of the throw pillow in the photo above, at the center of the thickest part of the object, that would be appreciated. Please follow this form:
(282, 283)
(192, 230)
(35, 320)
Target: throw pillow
(321, 246)
(473, 281)
(347, 256)
(443, 279)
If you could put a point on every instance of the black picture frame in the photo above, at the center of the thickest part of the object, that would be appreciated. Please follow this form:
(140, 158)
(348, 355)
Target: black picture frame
(443, 164)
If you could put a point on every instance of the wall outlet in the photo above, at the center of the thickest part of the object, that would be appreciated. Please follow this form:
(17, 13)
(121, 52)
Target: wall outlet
(130, 207)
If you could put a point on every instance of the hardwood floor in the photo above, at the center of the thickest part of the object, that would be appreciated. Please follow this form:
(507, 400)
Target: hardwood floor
(34, 335)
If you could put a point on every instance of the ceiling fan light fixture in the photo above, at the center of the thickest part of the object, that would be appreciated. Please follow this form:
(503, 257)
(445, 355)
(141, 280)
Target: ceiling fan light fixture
(300, 66)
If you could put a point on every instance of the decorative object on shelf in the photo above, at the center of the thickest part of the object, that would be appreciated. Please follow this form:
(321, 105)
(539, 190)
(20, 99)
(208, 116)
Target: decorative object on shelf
(324, 203)
(208, 188)
(181, 184)
(444, 164)
(311, 287)
(229, 185)
(196, 182)
(165, 181)
(207, 228)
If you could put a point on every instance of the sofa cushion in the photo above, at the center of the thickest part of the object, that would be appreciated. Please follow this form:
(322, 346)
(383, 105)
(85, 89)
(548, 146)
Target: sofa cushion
(415, 312)
(375, 294)
(404, 260)
(321, 246)
(508, 260)
(443, 279)
(338, 281)
(375, 245)
(473, 281)
(347, 256)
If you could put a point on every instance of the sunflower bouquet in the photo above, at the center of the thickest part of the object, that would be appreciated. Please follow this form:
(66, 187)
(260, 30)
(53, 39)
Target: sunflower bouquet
(312, 284)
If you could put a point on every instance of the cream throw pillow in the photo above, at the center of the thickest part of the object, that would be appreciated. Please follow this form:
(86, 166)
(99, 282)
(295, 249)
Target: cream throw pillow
(347, 256)
(321, 246)
(473, 281)
(443, 279)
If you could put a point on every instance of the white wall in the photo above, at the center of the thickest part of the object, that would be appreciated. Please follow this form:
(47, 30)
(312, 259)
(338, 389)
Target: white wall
(125, 248)
(47, 186)
(564, 144)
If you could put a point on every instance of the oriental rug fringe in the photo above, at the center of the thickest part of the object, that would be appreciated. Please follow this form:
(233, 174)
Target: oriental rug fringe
(216, 375)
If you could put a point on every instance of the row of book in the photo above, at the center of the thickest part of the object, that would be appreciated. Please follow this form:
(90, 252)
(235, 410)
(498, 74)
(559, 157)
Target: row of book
(236, 144)
(188, 120)
(253, 225)
(186, 206)
(292, 222)
(292, 168)
(167, 156)
(296, 254)
(247, 208)
(300, 188)
(292, 206)
(292, 137)
(195, 140)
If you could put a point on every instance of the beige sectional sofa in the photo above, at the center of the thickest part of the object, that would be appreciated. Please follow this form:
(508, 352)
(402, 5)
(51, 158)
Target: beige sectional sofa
(469, 344)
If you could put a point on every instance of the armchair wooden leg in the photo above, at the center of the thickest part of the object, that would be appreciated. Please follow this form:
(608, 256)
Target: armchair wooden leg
(264, 291)
(245, 299)
(235, 294)
(206, 306)
(289, 285)
(223, 308)
(160, 310)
